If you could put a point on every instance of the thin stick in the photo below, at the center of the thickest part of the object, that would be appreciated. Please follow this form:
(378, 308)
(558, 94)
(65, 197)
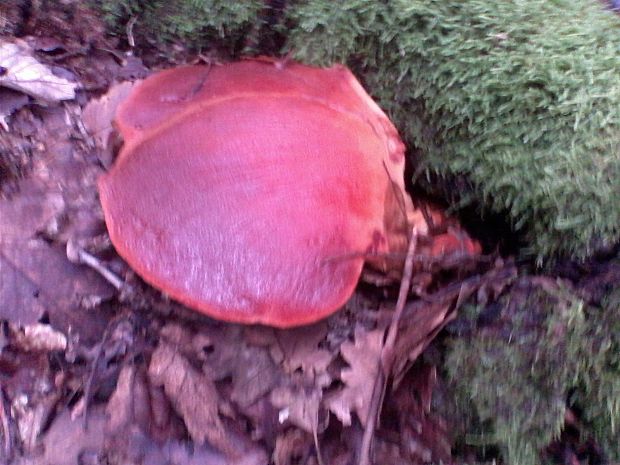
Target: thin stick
(6, 427)
(129, 30)
(386, 353)
(317, 446)
(402, 293)
(76, 254)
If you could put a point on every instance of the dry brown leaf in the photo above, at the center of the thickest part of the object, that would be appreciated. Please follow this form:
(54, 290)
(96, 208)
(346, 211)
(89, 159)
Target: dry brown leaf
(299, 406)
(292, 447)
(10, 101)
(413, 338)
(226, 353)
(136, 414)
(254, 375)
(363, 357)
(66, 441)
(26, 74)
(193, 396)
(98, 116)
(300, 347)
(37, 338)
(32, 415)
(130, 403)
(58, 197)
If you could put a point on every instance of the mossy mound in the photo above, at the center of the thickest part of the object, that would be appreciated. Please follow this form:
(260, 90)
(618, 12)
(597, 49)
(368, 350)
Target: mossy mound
(521, 99)
(219, 25)
(526, 358)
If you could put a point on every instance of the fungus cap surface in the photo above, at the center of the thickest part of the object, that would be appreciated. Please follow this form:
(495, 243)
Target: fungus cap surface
(251, 191)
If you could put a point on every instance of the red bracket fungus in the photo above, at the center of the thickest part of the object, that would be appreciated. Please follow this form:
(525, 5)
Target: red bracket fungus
(254, 192)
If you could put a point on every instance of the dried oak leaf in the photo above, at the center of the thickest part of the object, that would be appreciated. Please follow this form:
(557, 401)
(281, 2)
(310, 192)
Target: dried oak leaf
(299, 406)
(228, 354)
(363, 357)
(300, 350)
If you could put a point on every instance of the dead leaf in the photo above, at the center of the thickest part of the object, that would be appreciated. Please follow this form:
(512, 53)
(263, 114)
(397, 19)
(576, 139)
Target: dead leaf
(25, 74)
(32, 416)
(254, 375)
(300, 348)
(415, 336)
(363, 356)
(38, 338)
(227, 354)
(292, 447)
(66, 441)
(137, 411)
(37, 278)
(10, 101)
(299, 406)
(57, 198)
(193, 396)
(130, 403)
(98, 116)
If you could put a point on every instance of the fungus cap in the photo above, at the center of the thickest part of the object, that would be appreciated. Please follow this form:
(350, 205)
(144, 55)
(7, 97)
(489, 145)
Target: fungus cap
(252, 191)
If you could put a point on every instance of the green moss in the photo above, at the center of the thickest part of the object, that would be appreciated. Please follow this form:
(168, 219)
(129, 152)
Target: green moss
(520, 99)
(199, 24)
(515, 374)
(598, 392)
(542, 349)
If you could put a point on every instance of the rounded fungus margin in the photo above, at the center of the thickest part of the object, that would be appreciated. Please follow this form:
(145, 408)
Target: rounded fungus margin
(253, 191)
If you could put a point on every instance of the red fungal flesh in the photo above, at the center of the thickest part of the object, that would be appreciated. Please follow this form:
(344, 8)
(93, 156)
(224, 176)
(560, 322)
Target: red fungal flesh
(250, 191)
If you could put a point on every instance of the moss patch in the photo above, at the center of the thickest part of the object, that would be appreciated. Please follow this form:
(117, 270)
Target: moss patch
(532, 354)
(521, 99)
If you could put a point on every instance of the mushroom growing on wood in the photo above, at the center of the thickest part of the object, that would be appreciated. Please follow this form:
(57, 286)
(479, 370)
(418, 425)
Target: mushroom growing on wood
(254, 192)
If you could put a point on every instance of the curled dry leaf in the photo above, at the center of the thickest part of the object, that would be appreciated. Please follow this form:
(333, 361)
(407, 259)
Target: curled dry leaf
(99, 114)
(415, 336)
(139, 417)
(363, 356)
(192, 394)
(38, 338)
(25, 74)
(195, 399)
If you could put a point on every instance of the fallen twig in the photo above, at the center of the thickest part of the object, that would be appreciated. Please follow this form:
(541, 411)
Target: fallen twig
(76, 254)
(380, 381)
(6, 427)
